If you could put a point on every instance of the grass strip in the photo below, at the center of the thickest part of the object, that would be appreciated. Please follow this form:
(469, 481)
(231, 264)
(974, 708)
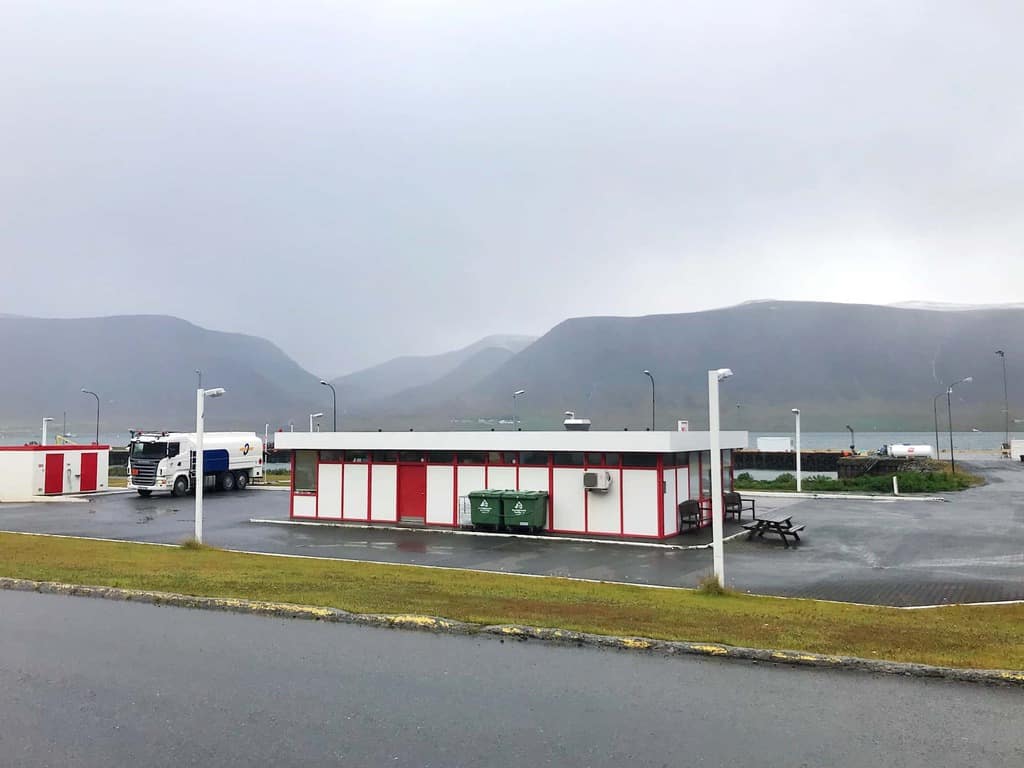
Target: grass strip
(990, 637)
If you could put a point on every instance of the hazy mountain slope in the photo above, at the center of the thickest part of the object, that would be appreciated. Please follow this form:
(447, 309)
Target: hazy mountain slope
(382, 381)
(865, 365)
(143, 367)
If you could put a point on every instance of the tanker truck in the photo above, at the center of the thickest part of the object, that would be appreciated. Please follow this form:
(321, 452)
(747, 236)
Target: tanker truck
(166, 461)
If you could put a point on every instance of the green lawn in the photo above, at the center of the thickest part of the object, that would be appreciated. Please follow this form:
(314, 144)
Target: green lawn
(991, 636)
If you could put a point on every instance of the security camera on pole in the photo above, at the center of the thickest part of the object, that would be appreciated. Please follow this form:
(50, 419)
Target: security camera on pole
(718, 553)
(201, 395)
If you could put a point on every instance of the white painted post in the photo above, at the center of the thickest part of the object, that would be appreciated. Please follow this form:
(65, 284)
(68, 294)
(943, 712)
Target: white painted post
(895, 486)
(799, 482)
(46, 420)
(200, 403)
(718, 552)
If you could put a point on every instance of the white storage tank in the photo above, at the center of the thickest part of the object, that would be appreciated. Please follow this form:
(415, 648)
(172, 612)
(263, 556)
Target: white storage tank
(775, 444)
(901, 451)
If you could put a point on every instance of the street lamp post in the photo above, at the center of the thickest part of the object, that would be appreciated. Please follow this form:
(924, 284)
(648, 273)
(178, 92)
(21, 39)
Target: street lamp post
(853, 448)
(311, 417)
(46, 420)
(1006, 400)
(718, 553)
(650, 376)
(515, 396)
(89, 392)
(799, 487)
(199, 378)
(201, 395)
(949, 414)
(935, 413)
(334, 396)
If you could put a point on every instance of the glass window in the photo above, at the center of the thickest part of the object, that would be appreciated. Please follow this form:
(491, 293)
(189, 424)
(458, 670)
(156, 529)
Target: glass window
(694, 475)
(411, 456)
(331, 455)
(565, 459)
(511, 457)
(727, 470)
(495, 457)
(705, 472)
(612, 459)
(305, 471)
(595, 459)
(441, 457)
(385, 457)
(534, 459)
(639, 459)
(358, 457)
(471, 458)
(173, 448)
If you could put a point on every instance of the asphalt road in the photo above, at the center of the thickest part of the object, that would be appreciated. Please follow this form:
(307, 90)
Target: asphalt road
(970, 549)
(92, 683)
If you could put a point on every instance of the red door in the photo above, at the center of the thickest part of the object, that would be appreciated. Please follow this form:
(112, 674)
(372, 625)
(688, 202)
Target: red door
(54, 482)
(88, 472)
(412, 493)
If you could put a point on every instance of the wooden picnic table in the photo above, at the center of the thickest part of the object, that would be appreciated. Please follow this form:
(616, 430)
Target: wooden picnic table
(778, 522)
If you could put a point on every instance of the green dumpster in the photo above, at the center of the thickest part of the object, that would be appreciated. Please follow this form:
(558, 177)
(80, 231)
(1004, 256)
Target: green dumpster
(485, 508)
(525, 510)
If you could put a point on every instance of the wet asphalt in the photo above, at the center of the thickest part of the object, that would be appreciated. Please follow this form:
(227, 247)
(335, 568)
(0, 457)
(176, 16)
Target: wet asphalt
(969, 549)
(93, 683)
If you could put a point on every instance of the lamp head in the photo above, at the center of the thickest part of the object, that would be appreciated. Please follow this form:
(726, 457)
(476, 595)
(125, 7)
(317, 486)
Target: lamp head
(215, 392)
(723, 373)
(519, 392)
(1000, 353)
(323, 382)
(796, 411)
(315, 415)
(646, 372)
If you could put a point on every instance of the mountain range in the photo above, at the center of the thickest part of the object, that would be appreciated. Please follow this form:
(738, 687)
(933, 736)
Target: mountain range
(873, 367)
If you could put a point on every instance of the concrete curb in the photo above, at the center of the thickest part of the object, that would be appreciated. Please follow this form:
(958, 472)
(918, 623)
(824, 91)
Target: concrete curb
(523, 633)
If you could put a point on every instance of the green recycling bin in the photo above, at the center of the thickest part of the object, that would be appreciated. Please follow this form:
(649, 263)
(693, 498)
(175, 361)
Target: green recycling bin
(525, 510)
(485, 508)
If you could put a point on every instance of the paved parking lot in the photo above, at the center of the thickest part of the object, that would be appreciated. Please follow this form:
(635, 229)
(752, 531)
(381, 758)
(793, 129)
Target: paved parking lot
(970, 549)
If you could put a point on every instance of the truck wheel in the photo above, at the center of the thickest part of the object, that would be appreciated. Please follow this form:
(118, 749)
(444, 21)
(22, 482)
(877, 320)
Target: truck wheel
(180, 487)
(241, 481)
(143, 492)
(227, 481)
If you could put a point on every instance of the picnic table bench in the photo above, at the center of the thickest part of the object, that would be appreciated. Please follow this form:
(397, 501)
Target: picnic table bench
(779, 523)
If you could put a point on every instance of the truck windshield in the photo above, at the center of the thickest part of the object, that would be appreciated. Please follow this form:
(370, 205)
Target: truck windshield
(149, 450)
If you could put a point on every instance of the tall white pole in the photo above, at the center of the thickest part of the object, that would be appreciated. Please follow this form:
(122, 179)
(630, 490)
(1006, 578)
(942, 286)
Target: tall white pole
(799, 485)
(716, 479)
(200, 401)
(45, 421)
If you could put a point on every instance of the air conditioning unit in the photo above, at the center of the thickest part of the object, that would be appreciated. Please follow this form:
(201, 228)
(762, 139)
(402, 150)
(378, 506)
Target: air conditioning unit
(597, 480)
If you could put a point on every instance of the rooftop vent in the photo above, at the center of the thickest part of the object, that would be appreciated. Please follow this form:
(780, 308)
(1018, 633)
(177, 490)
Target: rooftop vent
(572, 424)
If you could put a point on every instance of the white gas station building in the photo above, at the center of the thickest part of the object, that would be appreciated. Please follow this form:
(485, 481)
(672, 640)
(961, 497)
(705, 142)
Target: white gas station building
(418, 478)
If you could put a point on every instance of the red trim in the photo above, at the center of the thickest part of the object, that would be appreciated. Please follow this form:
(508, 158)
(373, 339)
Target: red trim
(661, 496)
(291, 495)
(622, 505)
(551, 493)
(455, 490)
(62, 448)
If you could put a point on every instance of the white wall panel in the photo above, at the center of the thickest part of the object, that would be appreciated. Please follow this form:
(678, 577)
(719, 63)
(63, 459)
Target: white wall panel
(328, 491)
(603, 508)
(304, 506)
(501, 478)
(440, 495)
(384, 504)
(72, 471)
(471, 478)
(354, 489)
(671, 519)
(640, 502)
(567, 512)
(19, 475)
(533, 479)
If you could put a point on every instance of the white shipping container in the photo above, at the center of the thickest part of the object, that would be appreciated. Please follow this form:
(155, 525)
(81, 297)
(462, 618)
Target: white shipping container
(1017, 450)
(775, 444)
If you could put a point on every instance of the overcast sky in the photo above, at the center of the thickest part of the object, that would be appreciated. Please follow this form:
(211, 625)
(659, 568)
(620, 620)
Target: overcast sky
(365, 179)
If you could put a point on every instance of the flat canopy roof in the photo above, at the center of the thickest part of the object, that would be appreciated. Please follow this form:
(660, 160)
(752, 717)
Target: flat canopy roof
(618, 442)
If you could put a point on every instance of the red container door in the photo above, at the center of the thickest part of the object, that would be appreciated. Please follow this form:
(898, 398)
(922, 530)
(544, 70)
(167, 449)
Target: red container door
(54, 482)
(88, 472)
(412, 494)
